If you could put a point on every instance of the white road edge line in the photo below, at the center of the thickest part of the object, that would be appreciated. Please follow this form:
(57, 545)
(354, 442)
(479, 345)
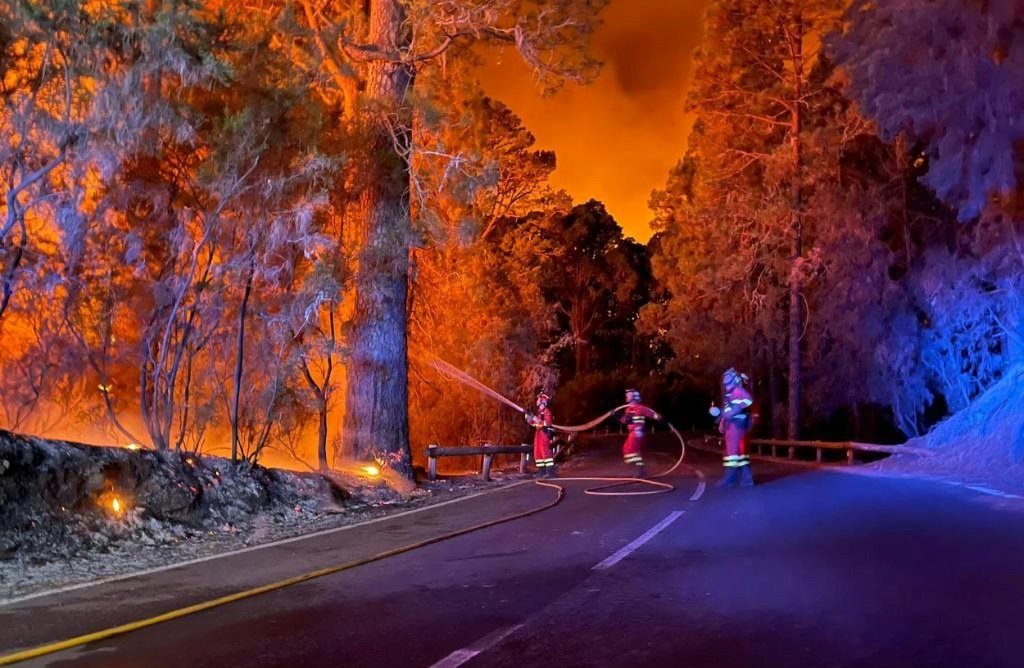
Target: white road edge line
(284, 541)
(461, 656)
(992, 492)
(982, 489)
(701, 486)
(649, 534)
(895, 475)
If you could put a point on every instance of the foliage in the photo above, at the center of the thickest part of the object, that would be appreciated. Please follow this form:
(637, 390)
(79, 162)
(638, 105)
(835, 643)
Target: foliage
(594, 278)
(948, 74)
(743, 217)
(945, 76)
(208, 216)
(476, 300)
(379, 62)
(961, 328)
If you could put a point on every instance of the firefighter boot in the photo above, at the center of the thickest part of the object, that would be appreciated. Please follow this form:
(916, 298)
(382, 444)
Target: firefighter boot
(641, 471)
(551, 471)
(731, 478)
(746, 476)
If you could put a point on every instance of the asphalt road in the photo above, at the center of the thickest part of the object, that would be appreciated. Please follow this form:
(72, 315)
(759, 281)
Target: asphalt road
(811, 568)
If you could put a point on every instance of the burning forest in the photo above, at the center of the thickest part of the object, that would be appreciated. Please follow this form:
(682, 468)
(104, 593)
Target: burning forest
(242, 232)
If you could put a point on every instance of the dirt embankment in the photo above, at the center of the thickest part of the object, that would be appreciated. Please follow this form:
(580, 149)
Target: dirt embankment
(60, 498)
(71, 512)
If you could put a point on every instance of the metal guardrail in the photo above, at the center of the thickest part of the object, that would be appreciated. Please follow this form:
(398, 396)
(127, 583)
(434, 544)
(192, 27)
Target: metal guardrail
(760, 445)
(488, 451)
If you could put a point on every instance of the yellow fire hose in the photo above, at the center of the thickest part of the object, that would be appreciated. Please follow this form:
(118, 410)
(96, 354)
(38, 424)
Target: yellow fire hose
(659, 487)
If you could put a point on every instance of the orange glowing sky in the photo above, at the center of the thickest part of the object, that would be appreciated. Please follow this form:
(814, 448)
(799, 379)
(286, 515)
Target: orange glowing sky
(617, 138)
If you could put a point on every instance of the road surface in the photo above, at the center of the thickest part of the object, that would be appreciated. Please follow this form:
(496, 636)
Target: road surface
(812, 568)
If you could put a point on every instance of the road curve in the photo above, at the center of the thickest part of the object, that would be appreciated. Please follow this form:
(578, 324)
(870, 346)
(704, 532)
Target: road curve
(811, 567)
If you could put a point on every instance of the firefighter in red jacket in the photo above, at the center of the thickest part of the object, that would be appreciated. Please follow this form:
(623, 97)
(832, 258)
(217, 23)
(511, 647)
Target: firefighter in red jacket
(635, 416)
(541, 422)
(734, 422)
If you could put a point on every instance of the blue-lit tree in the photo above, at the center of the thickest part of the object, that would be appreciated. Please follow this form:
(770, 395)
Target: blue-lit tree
(949, 73)
(948, 77)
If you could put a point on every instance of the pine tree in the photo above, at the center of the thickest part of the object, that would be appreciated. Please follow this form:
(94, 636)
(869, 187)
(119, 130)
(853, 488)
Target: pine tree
(949, 74)
(373, 55)
(476, 299)
(748, 178)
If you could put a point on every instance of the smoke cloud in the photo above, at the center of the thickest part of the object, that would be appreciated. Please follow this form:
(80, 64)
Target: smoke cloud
(617, 138)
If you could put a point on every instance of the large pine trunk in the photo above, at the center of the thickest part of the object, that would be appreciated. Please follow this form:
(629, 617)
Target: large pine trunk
(795, 325)
(376, 401)
(795, 333)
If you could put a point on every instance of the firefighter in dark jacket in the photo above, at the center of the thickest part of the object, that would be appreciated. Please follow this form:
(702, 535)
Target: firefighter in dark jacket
(734, 422)
(635, 416)
(541, 422)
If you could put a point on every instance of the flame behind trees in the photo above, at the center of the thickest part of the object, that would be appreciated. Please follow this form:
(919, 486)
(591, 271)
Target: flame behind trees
(188, 211)
(476, 299)
(211, 184)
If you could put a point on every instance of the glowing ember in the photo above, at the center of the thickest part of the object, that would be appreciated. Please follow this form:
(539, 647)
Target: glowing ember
(115, 504)
(133, 446)
(371, 470)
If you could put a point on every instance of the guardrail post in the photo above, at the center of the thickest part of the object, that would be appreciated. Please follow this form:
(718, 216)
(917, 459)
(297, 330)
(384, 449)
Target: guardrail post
(818, 455)
(487, 467)
(792, 452)
(849, 456)
(431, 463)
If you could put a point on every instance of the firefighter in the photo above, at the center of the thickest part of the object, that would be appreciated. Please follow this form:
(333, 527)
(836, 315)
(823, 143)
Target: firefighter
(635, 416)
(541, 422)
(734, 422)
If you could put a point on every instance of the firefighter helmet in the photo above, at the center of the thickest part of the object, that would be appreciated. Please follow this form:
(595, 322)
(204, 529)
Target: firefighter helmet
(543, 398)
(732, 378)
(632, 395)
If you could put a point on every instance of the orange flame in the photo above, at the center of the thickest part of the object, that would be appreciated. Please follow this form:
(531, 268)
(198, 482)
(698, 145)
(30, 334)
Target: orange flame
(115, 504)
(371, 470)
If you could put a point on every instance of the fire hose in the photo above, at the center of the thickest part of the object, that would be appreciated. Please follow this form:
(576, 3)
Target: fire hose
(448, 370)
(659, 487)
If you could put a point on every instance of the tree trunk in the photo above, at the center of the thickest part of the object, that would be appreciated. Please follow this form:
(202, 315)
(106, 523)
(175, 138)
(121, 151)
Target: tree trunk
(796, 203)
(240, 360)
(775, 397)
(376, 401)
(581, 357)
(321, 436)
(18, 254)
(795, 318)
(578, 325)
